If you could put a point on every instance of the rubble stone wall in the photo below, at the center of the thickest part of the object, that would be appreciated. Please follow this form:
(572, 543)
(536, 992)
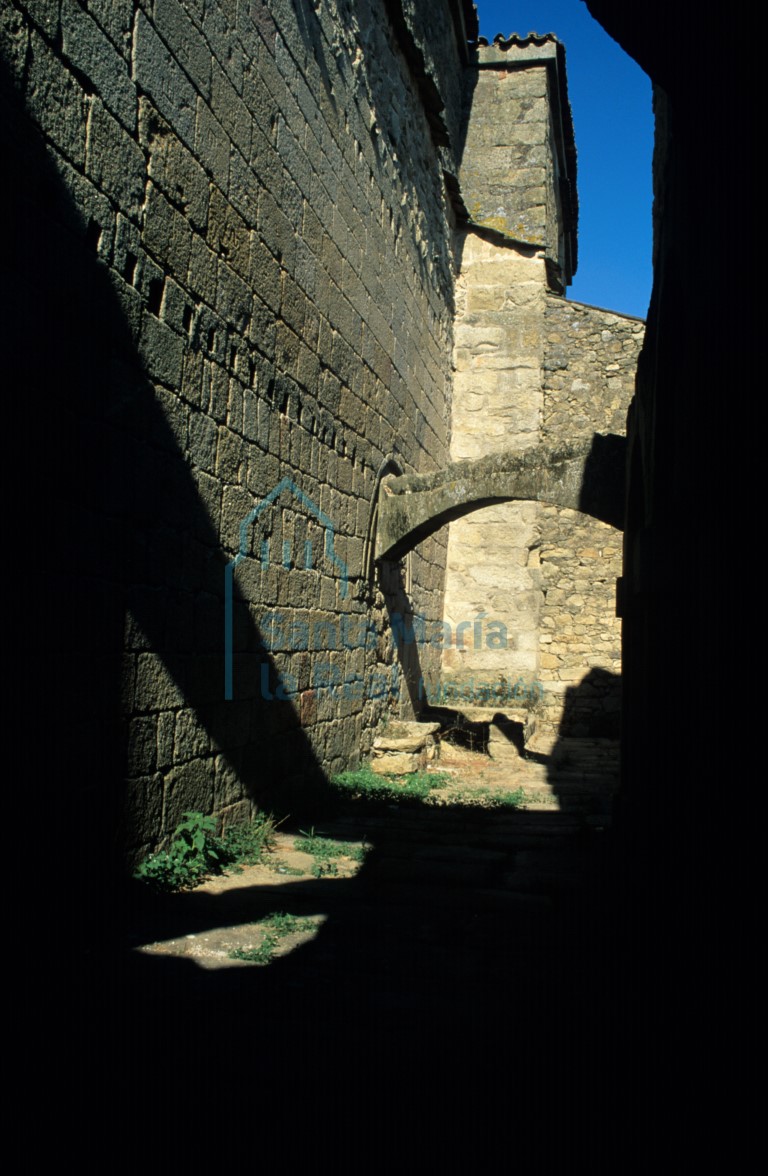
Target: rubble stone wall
(590, 360)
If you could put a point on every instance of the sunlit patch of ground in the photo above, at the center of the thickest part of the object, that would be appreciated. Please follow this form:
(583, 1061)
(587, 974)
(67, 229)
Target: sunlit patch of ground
(248, 918)
(225, 946)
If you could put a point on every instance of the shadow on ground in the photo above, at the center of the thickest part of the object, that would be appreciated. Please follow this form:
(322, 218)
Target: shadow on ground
(468, 979)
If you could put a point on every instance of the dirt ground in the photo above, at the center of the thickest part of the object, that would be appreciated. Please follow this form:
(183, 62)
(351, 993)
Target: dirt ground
(456, 962)
(411, 847)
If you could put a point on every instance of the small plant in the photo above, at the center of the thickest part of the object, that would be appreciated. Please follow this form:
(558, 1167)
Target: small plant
(284, 924)
(279, 925)
(245, 845)
(195, 851)
(325, 851)
(319, 847)
(281, 867)
(256, 955)
(325, 869)
(510, 799)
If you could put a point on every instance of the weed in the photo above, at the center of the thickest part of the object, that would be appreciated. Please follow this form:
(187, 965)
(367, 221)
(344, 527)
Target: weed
(256, 955)
(279, 925)
(319, 847)
(364, 784)
(325, 851)
(325, 869)
(196, 852)
(193, 852)
(246, 844)
(284, 924)
(281, 867)
(512, 798)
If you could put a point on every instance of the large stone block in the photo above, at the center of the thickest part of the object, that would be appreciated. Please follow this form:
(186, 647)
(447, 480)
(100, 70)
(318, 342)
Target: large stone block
(116, 19)
(167, 234)
(184, 36)
(142, 746)
(161, 350)
(173, 168)
(56, 101)
(404, 748)
(143, 810)
(91, 52)
(156, 689)
(14, 39)
(159, 75)
(187, 788)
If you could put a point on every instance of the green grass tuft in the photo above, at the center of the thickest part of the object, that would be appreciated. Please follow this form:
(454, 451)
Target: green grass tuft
(279, 925)
(482, 797)
(257, 955)
(364, 784)
(325, 852)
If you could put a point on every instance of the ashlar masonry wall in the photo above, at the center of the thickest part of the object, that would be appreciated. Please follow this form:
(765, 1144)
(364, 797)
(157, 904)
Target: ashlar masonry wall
(498, 402)
(235, 224)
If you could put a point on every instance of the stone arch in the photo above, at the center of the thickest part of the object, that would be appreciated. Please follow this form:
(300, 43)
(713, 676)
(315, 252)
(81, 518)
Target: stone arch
(587, 478)
(389, 468)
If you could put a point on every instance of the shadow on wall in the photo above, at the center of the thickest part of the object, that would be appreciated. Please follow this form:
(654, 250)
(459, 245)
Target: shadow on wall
(593, 707)
(400, 614)
(127, 555)
(583, 767)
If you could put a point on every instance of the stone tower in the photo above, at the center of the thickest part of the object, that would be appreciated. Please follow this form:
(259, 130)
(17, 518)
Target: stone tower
(530, 368)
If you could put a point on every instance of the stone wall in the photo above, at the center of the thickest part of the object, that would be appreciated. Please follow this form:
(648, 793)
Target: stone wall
(235, 223)
(231, 290)
(506, 175)
(590, 360)
(498, 402)
(531, 368)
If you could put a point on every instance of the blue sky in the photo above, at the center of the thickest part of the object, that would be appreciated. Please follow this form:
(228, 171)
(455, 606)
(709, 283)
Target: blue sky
(611, 102)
